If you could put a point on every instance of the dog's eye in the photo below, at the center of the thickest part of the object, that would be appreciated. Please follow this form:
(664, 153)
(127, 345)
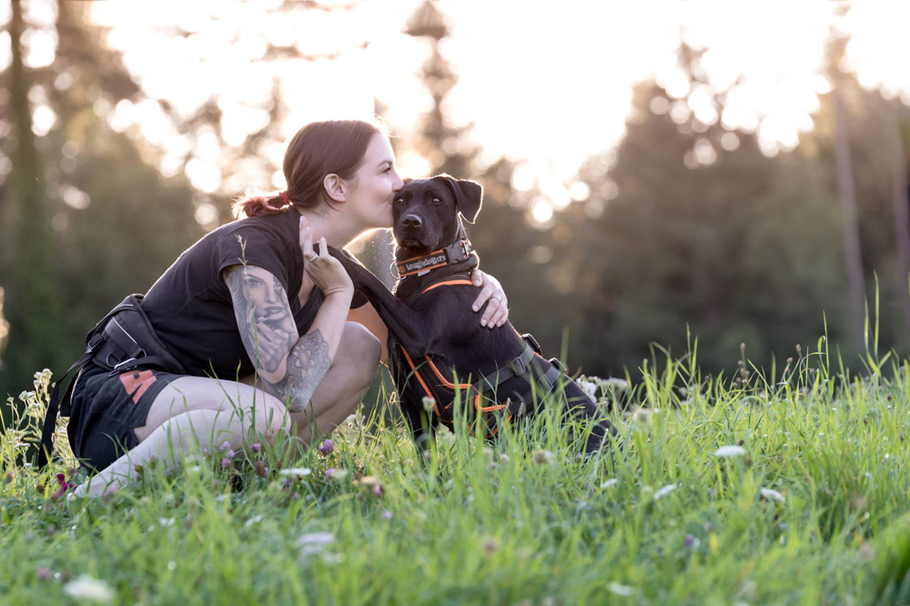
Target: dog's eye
(436, 201)
(399, 200)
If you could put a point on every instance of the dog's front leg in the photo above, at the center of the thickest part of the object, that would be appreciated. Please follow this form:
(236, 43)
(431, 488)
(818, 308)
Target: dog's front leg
(411, 329)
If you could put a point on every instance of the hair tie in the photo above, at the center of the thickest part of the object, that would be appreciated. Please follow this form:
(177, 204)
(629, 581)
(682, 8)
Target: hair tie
(285, 197)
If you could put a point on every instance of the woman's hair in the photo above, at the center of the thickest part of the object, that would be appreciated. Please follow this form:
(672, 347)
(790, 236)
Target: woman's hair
(318, 149)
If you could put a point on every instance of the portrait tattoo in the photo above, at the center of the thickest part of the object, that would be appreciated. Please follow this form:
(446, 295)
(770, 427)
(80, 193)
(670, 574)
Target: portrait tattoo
(269, 334)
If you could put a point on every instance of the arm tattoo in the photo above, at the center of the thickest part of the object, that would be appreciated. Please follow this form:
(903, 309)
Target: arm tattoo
(307, 364)
(269, 335)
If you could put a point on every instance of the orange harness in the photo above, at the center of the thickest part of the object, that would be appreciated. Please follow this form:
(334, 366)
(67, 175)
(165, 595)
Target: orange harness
(519, 367)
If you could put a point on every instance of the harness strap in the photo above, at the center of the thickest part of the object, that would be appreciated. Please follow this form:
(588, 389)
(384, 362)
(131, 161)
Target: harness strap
(518, 367)
(46, 447)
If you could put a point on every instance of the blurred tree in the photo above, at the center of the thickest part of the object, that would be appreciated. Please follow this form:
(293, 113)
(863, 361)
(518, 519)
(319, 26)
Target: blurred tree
(106, 221)
(874, 137)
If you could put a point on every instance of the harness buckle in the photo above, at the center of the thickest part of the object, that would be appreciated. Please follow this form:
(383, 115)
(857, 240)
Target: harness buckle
(530, 339)
(116, 367)
(558, 364)
(518, 366)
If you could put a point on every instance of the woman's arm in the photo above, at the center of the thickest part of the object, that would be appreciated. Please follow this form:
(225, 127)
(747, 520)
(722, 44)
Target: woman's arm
(496, 313)
(291, 367)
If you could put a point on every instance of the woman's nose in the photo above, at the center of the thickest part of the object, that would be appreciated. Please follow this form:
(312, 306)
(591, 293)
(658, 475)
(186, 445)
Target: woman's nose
(398, 184)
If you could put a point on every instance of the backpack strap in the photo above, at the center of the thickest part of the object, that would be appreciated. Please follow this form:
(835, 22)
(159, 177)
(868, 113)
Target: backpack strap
(122, 341)
(46, 447)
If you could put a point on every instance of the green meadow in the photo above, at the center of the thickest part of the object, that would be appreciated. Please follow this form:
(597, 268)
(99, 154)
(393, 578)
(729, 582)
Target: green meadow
(786, 485)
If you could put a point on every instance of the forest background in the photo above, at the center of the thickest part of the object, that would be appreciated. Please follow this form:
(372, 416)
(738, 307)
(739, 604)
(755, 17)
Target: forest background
(757, 198)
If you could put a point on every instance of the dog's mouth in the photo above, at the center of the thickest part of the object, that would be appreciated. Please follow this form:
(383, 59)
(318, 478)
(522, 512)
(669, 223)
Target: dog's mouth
(410, 242)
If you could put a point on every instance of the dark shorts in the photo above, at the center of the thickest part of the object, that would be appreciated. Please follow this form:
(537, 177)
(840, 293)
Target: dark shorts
(105, 409)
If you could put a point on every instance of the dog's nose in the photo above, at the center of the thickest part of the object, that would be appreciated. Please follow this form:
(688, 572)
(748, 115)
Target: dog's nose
(411, 221)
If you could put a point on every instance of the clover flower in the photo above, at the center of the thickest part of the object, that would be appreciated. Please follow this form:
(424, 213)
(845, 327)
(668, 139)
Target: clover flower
(43, 573)
(730, 451)
(428, 403)
(87, 588)
(326, 447)
(387, 515)
(64, 486)
(335, 474)
(225, 463)
(296, 471)
(256, 447)
(313, 543)
(772, 495)
(664, 491)
(623, 590)
(543, 457)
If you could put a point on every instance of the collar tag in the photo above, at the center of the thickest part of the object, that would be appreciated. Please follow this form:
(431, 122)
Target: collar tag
(425, 262)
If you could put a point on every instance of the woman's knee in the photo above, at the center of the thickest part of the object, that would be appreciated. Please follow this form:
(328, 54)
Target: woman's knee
(359, 351)
(271, 419)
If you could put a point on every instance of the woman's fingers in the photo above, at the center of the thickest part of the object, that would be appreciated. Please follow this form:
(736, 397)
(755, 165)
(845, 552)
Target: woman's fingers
(307, 238)
(496, 312)
(501, 315)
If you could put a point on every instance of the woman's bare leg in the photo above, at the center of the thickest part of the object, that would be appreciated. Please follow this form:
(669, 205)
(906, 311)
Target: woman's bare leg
(193, 409)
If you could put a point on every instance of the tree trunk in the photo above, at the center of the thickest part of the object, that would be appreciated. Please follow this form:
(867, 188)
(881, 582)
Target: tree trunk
(32, 295)
(901, 200)
(847, 193)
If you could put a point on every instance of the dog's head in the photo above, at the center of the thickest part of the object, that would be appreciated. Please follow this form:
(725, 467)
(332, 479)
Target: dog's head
(426, 212)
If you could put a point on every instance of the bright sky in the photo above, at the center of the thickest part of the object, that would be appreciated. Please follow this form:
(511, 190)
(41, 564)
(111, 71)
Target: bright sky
(544, 83)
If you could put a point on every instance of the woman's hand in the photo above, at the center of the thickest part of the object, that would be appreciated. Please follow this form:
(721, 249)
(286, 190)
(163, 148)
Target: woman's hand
(497, 312)
(326, 271)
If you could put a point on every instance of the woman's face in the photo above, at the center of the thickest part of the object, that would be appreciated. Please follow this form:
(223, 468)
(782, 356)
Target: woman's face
(373, 188)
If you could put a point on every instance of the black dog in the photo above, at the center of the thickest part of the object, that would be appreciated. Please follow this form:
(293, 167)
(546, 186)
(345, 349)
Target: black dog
(436, 343)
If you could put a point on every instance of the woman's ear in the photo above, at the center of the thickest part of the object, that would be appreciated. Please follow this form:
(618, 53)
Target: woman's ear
(335, 187)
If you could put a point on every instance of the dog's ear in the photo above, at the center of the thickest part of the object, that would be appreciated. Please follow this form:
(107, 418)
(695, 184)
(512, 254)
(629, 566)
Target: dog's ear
(468, 196)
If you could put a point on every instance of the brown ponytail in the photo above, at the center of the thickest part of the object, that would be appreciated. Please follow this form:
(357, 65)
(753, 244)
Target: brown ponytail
(318, 149)
(255, 205)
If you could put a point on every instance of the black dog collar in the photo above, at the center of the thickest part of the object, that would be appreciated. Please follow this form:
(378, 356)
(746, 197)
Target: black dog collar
(450, 255)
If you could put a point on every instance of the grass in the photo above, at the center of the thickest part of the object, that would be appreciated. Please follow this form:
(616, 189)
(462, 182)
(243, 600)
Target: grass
(814, 511)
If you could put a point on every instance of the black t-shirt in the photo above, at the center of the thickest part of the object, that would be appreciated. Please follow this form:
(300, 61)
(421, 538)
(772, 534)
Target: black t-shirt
(191, 308)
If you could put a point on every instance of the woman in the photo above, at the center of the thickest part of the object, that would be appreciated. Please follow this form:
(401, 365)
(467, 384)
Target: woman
(253, 299)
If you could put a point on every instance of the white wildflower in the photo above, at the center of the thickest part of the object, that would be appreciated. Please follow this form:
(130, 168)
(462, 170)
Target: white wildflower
(588, 387)
(166, 522)
(313, 543)
(609, 483)
(296, 471)
(623, 590)
(87, 588)
(730, 451)
(618, 384)
(253, 520)
(664, 491)
(772, 494)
